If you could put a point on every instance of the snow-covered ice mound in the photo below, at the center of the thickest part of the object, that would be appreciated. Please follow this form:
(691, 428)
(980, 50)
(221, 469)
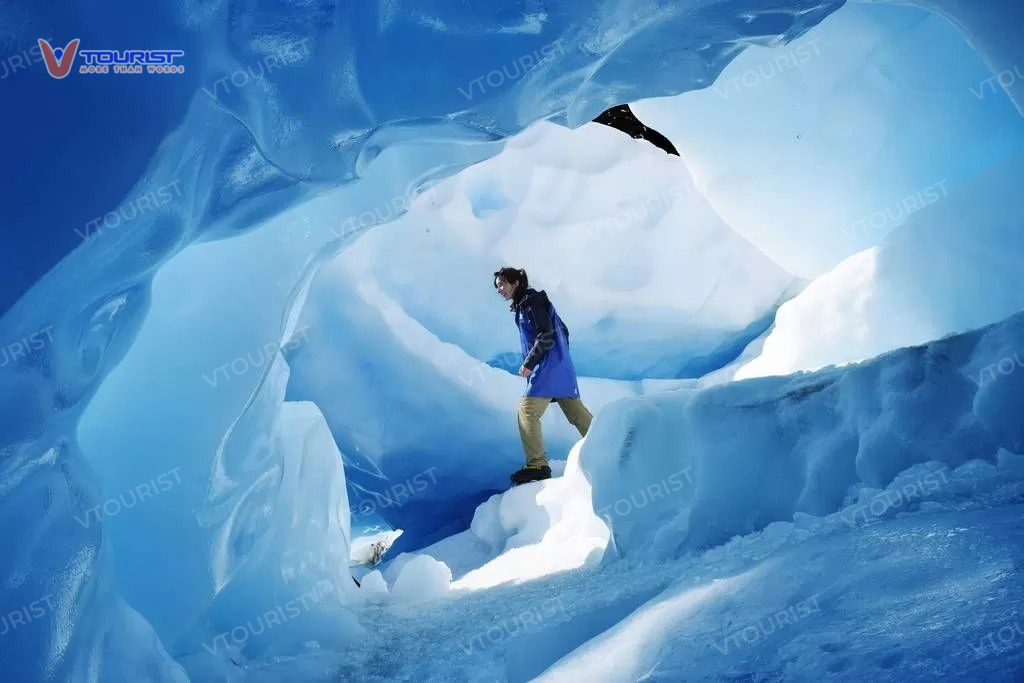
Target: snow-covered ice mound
(421, 578)
(691, 469)
(538, 529)
(952, 267)
(529, 531)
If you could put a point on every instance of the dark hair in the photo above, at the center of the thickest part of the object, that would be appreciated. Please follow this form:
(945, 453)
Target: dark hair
(513, 276)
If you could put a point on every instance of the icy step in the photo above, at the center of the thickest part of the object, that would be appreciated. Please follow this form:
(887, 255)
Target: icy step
(527, 532)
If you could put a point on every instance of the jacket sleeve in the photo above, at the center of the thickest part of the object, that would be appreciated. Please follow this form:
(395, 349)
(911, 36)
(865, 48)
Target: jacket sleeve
(540, 314)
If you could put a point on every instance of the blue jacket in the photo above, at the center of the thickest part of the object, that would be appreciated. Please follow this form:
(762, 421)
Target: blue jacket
(545, 344)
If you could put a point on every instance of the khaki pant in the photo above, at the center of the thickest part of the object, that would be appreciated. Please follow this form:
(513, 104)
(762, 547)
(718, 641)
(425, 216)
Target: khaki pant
(530, 410)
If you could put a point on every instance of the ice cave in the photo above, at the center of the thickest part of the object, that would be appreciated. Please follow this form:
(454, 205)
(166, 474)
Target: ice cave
(261, 396)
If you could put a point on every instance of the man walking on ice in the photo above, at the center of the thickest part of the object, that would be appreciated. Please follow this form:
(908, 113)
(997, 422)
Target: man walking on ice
(547, 367)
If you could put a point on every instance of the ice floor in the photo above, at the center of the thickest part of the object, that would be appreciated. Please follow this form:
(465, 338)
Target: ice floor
(882, 599)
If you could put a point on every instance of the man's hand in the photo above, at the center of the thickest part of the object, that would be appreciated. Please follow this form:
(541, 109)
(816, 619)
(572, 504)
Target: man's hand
(525, 371)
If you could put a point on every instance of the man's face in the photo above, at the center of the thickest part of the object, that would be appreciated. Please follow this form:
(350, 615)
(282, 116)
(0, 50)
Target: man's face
(505, 289)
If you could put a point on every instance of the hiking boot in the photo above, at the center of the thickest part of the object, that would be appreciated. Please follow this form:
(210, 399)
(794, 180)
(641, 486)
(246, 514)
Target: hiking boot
(528, 474)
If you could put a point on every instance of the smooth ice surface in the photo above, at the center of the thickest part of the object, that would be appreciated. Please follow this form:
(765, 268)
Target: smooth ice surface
(258, 495)
(820, 149)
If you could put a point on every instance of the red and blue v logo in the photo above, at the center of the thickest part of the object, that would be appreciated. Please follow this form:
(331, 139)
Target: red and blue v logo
(59, 61)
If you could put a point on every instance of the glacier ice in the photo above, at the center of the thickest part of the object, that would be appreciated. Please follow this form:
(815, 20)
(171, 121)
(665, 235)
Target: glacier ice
(421, 578)
(118, 397)
(675, 304)
(691, 469)
(528, 532)
(889, 580)
(878, 112)
(368, 549)
(950, 268)
(451, 365)
(799, 612)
